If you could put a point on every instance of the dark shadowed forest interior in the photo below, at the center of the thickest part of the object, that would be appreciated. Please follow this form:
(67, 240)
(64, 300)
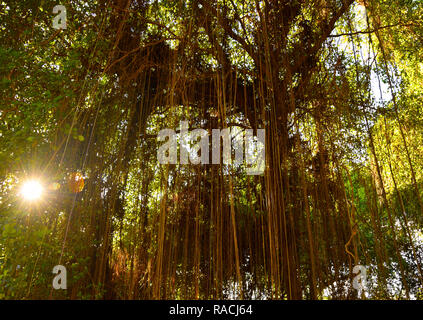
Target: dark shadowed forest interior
(335, 85)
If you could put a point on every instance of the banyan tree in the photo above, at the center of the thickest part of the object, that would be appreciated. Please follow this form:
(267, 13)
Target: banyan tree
(335, 84)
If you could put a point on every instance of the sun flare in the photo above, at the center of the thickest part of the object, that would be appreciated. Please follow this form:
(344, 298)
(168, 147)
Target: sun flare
(31, 190)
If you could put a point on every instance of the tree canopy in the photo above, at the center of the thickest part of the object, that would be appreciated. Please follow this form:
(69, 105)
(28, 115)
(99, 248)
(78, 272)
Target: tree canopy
(337, 85)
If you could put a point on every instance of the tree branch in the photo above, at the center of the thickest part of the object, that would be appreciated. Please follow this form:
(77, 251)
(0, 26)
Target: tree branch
(370, 31)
